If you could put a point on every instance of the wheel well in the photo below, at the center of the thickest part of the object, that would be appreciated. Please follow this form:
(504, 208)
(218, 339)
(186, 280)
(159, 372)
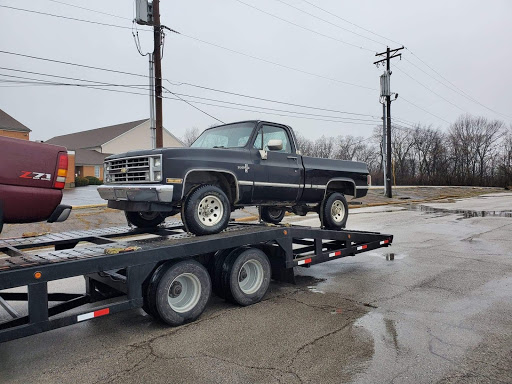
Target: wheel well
(225, 181)
(342, 186)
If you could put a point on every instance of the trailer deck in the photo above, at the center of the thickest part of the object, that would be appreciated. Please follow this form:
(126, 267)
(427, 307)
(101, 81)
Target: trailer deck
(118, 263)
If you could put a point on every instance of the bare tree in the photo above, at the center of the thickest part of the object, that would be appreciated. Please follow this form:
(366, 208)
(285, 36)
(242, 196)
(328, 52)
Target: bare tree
(191, 134)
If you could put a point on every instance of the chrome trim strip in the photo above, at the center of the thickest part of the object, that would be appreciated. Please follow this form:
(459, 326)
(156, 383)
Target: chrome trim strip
(362, 186)
(245, 182)
(279, 185)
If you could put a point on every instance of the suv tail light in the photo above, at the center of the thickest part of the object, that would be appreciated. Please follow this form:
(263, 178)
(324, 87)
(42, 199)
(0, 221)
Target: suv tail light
(62, 171)
(369, 180)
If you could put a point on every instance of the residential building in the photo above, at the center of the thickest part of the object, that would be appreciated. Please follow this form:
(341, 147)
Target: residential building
(10, 127)
(92, 146)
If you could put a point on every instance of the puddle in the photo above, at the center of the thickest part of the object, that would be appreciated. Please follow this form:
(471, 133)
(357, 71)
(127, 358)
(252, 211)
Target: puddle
(389, 256)
(466, 214)
(314, 289)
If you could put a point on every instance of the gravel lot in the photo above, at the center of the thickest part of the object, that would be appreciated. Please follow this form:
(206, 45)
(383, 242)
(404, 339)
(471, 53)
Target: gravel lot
(441, 311)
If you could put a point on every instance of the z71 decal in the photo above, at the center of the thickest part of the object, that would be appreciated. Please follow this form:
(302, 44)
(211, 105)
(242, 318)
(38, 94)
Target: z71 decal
(36, 176)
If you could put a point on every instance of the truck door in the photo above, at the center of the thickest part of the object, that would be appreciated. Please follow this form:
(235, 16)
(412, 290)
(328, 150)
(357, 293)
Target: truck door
(278, 177)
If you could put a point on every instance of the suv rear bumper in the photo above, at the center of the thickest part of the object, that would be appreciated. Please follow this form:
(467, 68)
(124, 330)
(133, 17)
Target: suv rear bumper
(143, 193)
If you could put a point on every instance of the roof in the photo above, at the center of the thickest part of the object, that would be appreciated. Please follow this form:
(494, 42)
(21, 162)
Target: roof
(94, 137)
(89, 157)
(9, 123)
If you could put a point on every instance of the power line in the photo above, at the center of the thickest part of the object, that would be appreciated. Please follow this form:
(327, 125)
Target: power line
(255, 109)
(328, 22)
(302, 27)
(423, 109)
(90, 10)
(453, 87)
(351, 23)
(73, 64)
(66, 17)
(275, 63)
(346, 119)
(193, 106)
(269, 100)
(190, 84)
(429, 89)
(69, 78)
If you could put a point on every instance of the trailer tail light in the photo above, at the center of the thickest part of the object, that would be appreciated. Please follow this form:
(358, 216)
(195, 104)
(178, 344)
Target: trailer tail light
(369, 180)
(302, 262)
(62, 171)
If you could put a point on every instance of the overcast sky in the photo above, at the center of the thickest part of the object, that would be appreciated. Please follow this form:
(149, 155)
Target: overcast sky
(468, 42)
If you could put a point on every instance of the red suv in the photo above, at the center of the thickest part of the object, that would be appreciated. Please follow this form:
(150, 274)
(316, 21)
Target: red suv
(32, 176)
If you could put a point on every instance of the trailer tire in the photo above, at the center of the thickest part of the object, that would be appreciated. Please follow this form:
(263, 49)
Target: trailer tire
(145, 219)
(246, 276)
(181, 293)
(334, 211)
(215, 269)
(272, 215)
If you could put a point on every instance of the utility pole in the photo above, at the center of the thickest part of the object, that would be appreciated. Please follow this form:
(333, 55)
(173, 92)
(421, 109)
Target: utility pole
(384, 150)
(390, 54)
(157, 58)
(152, 101)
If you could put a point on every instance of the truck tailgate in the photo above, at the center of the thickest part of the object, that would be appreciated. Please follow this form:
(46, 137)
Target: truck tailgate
(29, 164)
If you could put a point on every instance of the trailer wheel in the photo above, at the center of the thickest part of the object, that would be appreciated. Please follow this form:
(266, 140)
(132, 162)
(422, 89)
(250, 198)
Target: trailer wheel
(180, 292)
(215, 270)
(145, 219)
(246, 276)
(334, 211)
(272, 215)
(207, 210)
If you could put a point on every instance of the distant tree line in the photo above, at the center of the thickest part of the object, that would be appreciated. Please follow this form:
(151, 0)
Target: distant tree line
(474, 151)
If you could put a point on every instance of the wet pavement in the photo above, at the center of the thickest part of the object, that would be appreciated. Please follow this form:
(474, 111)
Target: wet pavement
(441, 311)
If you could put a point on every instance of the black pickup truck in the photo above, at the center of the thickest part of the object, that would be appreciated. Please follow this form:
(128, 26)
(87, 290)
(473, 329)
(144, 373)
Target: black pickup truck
(228, 167)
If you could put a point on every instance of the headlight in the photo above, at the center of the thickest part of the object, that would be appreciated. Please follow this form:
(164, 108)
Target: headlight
(157, 163)
(108, 167)
(108, 179)
(158, 176)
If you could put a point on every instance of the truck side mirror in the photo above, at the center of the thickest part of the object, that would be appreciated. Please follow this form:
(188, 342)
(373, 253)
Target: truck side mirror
(275, 145)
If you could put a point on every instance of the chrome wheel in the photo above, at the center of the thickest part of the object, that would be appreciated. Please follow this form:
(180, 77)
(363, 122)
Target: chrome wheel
(184, 292)
(250, 276)
(337, 211)
(210, 210)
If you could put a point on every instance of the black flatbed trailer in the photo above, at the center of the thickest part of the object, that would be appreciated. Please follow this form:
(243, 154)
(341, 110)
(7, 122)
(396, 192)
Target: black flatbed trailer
(156, 269)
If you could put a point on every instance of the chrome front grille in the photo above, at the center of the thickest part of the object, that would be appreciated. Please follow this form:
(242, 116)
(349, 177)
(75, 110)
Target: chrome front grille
(137, 169)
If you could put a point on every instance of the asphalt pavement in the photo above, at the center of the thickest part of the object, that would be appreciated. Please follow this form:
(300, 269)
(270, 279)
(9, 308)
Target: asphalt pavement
(440, 311)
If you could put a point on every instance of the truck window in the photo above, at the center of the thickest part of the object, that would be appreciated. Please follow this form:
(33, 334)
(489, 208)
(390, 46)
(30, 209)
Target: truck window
(225, 136)
(268, 132)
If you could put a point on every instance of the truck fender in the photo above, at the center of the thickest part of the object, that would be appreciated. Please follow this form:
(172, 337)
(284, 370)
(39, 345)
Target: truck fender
(228, 174)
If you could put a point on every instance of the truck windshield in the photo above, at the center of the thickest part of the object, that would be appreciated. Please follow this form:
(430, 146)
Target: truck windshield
(225, 136)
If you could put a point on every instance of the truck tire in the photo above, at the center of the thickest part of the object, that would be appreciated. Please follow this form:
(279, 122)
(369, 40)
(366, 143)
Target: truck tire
(145, 219)
(272, 215)
(246, 276)
(215, 270)
(334, 211)
(179, 292)
(206, 210)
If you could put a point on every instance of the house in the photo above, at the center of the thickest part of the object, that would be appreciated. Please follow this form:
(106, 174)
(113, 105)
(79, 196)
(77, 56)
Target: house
(93, 146)
(10, 127)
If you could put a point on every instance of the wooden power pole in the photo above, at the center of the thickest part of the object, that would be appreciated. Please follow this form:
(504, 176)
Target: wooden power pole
(390, 53)
(157, 58)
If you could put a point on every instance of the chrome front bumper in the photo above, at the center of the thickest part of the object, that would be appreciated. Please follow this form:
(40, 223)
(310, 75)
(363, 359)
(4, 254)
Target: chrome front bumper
(143, 193)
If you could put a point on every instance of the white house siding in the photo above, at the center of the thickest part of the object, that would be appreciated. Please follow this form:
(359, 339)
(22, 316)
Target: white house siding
(137, 138)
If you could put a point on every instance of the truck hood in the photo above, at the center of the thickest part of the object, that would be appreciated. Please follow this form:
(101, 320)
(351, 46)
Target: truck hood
(186, 152)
